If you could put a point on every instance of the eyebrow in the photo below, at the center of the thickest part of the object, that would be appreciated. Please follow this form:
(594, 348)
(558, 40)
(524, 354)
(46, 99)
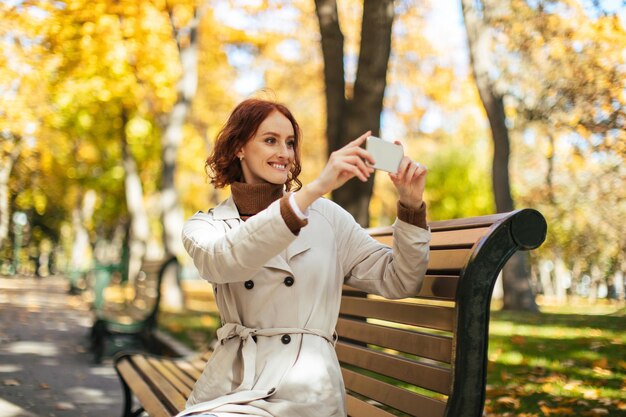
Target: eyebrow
(276, 134)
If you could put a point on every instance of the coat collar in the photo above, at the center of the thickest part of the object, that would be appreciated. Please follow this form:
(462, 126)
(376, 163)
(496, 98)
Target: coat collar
(226, 210)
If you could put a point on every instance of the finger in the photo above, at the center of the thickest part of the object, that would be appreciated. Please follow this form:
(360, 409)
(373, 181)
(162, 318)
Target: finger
(364, 154)
(423, 170)
(411, 172)
(359, 141)
(353, 150)
(361, 152)
(358, 162)
(353, 171)
(404, 163)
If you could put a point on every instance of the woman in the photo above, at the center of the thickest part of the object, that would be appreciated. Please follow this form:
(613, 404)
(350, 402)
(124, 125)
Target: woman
(278, 260)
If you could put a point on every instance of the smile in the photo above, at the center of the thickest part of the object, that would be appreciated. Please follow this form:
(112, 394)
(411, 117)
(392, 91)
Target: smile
(279, 166)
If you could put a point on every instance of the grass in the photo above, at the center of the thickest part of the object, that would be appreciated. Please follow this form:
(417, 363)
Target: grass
(565, 361)
(196, 330)
(557, 363)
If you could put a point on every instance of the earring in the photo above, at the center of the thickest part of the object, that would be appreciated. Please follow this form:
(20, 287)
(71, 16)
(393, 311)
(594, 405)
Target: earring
(241, 158)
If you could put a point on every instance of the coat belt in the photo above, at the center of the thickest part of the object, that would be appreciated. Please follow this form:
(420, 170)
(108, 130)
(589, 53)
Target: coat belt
(248, 345)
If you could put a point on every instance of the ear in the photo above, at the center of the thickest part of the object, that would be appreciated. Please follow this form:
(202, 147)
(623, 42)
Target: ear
(240, 154)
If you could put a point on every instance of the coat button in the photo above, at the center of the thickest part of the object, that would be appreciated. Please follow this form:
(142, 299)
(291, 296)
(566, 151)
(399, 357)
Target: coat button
(249, 284)
(285, 339)
(289, 281)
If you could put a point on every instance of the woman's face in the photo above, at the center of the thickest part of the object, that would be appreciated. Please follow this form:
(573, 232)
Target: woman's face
(269, 155)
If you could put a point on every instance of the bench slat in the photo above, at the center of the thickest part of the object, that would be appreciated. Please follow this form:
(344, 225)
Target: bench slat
(447, 260)
(180, 374)
(430, 377)
(447, 238)
(409, 402)
(170, 395)
(438, 287)
(359, 408)
(170, 376)
(442, 287)
(142, 391)
(429, 346)
(467, 223)
(189, 369)
(434, 317)
(198, 363)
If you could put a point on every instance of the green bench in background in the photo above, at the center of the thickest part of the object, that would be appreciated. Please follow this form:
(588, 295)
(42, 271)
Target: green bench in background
(134, 315)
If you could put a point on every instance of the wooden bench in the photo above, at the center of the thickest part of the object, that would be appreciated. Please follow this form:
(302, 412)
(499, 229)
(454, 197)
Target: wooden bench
(423, 356)
(133, 312)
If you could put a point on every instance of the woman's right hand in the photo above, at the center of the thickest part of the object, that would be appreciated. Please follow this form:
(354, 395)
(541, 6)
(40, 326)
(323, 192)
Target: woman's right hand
(343, 165)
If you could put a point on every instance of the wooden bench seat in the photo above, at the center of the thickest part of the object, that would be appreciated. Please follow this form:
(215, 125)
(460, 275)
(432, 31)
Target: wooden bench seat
(421, 356)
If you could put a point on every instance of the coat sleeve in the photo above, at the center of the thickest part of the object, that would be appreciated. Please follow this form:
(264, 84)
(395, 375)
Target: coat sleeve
(368, 265)
(223, 256)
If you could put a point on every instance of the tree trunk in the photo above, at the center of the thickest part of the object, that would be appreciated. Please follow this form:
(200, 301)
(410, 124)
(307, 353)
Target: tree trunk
(139, 228)
(518, 294)
(171, 210)
(80, 260)
(348, 118)
(5, 174)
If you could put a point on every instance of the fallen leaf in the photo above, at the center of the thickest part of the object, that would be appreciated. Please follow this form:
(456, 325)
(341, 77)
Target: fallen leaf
(44, 386)
(508, 402)
(561, 411)
(601, 363)
(596, 412)
(590, 394)
(518, 340)
(11, 383)
(64, 406)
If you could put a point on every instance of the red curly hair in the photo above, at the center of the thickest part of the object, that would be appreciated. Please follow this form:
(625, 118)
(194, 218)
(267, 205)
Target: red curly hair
(223, 167)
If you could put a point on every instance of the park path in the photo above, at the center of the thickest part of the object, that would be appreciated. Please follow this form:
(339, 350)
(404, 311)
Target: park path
(45, 367)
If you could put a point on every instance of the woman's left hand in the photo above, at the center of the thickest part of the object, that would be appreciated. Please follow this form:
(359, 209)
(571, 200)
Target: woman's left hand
(410, 181)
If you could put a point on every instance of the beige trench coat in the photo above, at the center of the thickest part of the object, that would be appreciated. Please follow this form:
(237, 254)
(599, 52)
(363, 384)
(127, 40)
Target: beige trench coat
(278, 295)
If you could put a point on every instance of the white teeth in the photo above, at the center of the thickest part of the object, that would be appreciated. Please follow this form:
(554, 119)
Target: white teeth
(279, 166)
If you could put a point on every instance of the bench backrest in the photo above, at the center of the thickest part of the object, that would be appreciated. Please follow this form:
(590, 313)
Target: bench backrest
(147, 288)
(427, 355)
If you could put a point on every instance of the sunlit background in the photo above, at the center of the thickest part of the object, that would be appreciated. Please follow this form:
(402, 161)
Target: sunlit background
(108, 109)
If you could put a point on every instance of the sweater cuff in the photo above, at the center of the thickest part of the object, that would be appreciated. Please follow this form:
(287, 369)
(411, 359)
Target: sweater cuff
(416, 217)
(294, 223)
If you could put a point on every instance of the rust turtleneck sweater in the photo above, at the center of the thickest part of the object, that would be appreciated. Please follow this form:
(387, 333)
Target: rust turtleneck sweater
(252, 198)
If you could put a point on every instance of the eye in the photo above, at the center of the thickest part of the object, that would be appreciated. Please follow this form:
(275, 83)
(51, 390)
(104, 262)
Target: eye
(270, 140)
(291, 144)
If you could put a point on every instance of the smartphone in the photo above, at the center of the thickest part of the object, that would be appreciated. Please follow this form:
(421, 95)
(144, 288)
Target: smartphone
(387, 156)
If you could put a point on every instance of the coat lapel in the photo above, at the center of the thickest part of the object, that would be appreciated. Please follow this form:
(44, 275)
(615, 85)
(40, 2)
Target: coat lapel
(227, 211)
(303, 243)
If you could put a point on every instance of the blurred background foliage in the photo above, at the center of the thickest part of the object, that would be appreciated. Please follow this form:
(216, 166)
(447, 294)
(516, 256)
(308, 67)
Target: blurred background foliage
(89, 89)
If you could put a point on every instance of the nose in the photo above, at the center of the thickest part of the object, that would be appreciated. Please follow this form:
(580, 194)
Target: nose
(283, 151)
